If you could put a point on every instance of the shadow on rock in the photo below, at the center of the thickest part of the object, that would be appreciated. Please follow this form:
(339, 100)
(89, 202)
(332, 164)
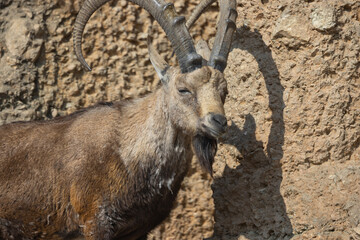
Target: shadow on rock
(251, 204)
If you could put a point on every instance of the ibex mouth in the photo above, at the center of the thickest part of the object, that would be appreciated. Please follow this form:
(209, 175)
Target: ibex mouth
(214, 125)
(213, 131)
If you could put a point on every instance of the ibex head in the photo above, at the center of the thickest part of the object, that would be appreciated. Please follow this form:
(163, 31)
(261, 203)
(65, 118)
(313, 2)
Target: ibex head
(195, 99)
(196, 90)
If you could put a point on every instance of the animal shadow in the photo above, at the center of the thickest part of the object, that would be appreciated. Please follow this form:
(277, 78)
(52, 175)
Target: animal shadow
(247, 198)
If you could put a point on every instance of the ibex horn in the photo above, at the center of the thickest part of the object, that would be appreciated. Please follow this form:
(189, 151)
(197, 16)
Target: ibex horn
(164, 13)
(199, 9)
(226, 28)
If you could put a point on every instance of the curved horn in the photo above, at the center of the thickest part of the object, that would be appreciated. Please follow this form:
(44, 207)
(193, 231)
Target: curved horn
(199, 9)
(223, 38)
(164, 13)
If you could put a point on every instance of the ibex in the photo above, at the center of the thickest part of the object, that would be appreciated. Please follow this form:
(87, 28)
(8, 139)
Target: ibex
(113, 171)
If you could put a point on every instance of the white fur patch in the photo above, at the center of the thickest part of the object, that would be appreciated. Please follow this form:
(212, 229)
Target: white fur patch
(167, 183)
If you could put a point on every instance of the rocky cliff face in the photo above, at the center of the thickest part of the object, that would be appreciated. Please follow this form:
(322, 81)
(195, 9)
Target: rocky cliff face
(289, 166)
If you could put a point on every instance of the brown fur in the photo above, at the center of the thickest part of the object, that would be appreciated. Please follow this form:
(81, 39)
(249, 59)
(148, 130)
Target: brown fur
(110, 171)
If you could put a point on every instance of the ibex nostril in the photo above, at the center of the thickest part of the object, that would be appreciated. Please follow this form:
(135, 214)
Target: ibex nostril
(220, 119)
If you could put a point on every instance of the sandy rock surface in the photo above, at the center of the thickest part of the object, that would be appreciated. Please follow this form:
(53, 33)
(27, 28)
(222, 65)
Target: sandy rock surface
(289, 166)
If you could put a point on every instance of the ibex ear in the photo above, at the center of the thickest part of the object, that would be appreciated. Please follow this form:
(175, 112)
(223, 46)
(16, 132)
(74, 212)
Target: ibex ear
(158, 62)
(203, 49)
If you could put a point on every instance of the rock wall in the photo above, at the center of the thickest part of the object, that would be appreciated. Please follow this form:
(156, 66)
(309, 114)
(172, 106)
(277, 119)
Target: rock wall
(289, 166)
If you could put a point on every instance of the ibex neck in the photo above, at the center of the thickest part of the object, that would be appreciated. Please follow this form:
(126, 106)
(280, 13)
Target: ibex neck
(150, 137)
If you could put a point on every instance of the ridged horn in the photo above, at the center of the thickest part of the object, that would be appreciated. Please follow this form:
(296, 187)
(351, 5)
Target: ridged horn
(199, 9)
(226, 28)
(223, 38)
(164, 13)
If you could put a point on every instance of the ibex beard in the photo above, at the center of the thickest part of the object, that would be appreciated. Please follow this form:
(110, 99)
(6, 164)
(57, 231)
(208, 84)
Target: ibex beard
(113, 171)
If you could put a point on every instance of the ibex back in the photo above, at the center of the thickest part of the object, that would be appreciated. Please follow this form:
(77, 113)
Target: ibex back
(112, 171)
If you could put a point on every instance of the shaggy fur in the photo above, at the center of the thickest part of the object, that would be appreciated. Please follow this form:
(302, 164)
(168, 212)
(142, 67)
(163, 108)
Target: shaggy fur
(111, 171)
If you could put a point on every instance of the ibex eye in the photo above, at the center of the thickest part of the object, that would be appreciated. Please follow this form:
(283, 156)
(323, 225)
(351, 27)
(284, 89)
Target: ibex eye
(184, 91)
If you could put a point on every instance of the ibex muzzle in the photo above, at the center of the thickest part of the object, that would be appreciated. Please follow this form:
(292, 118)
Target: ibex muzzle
(113, 171)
